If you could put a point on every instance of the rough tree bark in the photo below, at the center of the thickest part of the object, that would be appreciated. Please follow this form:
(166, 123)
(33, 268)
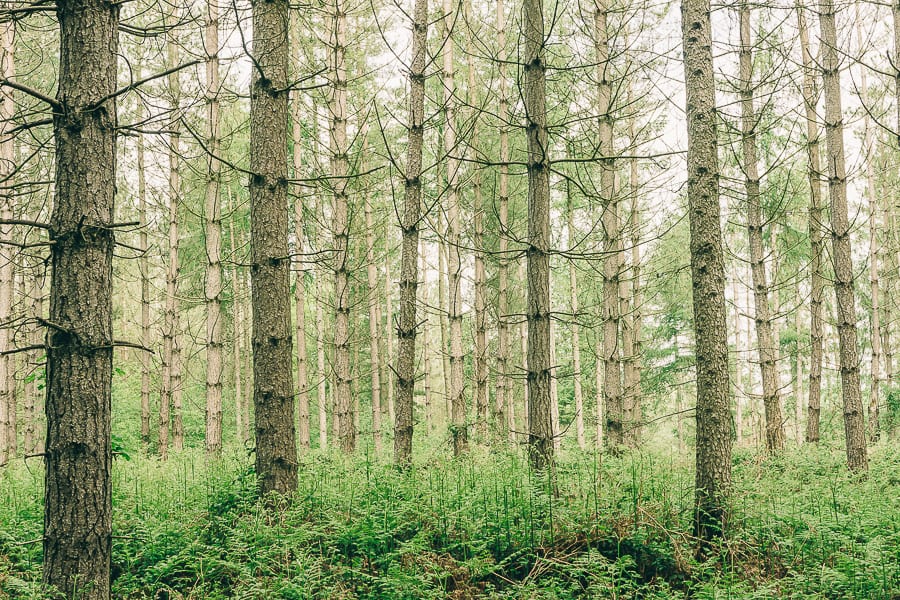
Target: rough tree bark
(409, 227)
(534, 94)
(237, 315)
(817, 280)
(766, 348)
(854, 428)
(713, 416)
(273, 388)
(78, 459)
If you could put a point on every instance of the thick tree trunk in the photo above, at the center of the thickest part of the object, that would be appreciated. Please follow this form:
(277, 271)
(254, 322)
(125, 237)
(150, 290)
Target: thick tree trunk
(78, 487)
(817, 280)
(212, 229)
(854, 428)
(340, 168)
(273, 387)
(708, 276)
(766, 347)
(534, 95)
(409, 227)
(612, 368)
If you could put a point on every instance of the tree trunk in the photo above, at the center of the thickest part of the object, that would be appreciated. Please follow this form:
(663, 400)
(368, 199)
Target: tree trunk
(817, 280)
(212, 229)
(480, 356)
(573, 305)
(766, 345)
(388, 379)
(300, 286)
(426, 356)
(612, 369)
(854, 428)
(338, 146)
(534, 95)
(504, 398)
(33, 396)
(7, 198)
(171, 356)
(445, 325)
(632, 371)
(374, 318)
(238, 338)
(869, 152)
(459, 427)
(321, 375)
(144, 268)
(409, 227)
(708, 276)
(273, 387)
(78, 488)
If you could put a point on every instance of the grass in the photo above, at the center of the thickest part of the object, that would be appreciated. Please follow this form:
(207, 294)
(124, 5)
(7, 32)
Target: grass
(481, 527)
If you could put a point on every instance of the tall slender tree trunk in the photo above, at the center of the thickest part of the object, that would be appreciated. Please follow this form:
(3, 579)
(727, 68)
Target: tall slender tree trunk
(538, 365)
(612, 375)
(426, 352)
(374, 318)
(7, 169)
(713, 480)
(505, 410)
(632, 370)
(300, 278)
(388, 380)
(321, 375)
(445, 323)
(337, 107)
(874, 285)
(144, 268)
(33, 395)
(171, 358)
(237, 341)
(480, 358)
(766, 348)
(273, 386)
(854, 429)
(817, 280)
(573, 306)
(409, 227)
(212, 229)
(459, 427)
(175, 373)
(78, 458)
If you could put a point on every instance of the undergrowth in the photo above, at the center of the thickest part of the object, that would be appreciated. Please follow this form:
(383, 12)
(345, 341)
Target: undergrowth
(482, 527)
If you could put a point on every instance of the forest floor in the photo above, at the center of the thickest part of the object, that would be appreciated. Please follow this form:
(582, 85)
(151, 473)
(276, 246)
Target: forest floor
(482, 527)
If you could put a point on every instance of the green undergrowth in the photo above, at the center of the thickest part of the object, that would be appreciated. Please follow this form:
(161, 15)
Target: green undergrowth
(482, 527)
